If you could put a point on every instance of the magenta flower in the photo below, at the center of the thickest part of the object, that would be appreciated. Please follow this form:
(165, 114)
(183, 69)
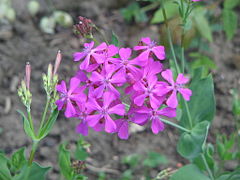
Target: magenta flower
(143, 115)
(150, 47)
(122, 128)
(123, 64)
(70, 98)
(174, 87)
(150, 90)
(103, 112)
(106, 80)
(82, 113)
(90, 55)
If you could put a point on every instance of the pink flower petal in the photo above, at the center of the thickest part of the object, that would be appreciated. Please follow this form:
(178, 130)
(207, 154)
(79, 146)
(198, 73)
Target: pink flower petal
(157, 125)
(125, 53)
(168, 76)
(98, 92)
(137, 48)
(60, 103)
(70, 110)
(168, 112)
(74, 83)
(82, 128)
(62, 87)
(139, 100)
(108, 98)
(110, 125)
(79, 55)
(112, 50)
(172, 100)
(84, 65)
(159, 51)
(119, 109)
(139, 118)
(146, 40)
(92, 120)
(181, 79)
(96, 77)
(118, 78)
(154, 102)
(186, 93)
(123, 130)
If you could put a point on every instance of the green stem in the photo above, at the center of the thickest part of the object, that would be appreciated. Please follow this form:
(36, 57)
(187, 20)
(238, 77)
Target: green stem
(102, 34)
(34, 148)
(207, 167)
(150, 6)
(175, 61)
(170, 39)
(30, 119)
(188, 114)
(175, 125)
(44, 114)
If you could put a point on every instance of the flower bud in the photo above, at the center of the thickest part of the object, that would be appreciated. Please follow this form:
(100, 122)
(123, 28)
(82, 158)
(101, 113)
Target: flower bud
(57, 62)
(28, 75)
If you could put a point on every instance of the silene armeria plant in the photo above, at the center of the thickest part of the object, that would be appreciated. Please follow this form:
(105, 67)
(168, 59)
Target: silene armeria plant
(115, 87)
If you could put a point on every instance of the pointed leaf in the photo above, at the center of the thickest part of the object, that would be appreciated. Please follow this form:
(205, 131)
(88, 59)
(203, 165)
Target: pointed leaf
(49, 124)
(230, 22)
(18, 159)
(35, 171)
(189, 172)
(4, 171)
(190, 144)
(64, 162)
(27, 128)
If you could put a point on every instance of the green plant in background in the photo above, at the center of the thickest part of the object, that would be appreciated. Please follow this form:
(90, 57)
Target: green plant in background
(230, 17)
(49, 23)
(136, 162)
(72, 169)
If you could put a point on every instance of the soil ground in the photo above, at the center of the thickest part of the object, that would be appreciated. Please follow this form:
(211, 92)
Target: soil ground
(27, 43)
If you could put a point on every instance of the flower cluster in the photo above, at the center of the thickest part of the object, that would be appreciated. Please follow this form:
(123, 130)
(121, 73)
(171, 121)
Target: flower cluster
(110, 78)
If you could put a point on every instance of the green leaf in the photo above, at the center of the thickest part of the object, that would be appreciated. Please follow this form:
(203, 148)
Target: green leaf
(132, 160)
(171, 11)
(190, 144)
(35, 171)
(127, 175)
(48, 126)
(115, 40)
(154, 159)
(230, 22)
(202, 61)
(235, 175)
(230, 4)
(18, 159)
(189, 172)
(203, 27)
(64, 162)
(202, 105)
(27, 128)
(4, 171)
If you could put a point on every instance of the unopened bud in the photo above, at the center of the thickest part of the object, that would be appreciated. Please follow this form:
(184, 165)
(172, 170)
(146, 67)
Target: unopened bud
(28, 75)
(50, 71)
(57, 62)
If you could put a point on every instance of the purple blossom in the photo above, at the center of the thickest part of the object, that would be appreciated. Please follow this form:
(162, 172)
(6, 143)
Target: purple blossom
(143, 115)
(174, 87)
(124, 64)
(150, 90)
(90, 55)
(106, 80)
(102, 112)
(122, 128)
(148, 48)
(70, 98)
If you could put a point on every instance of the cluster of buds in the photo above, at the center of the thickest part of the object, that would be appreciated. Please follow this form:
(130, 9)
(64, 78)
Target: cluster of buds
(84, 27)
(24, 89)
(94, 95)
(50, 81)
